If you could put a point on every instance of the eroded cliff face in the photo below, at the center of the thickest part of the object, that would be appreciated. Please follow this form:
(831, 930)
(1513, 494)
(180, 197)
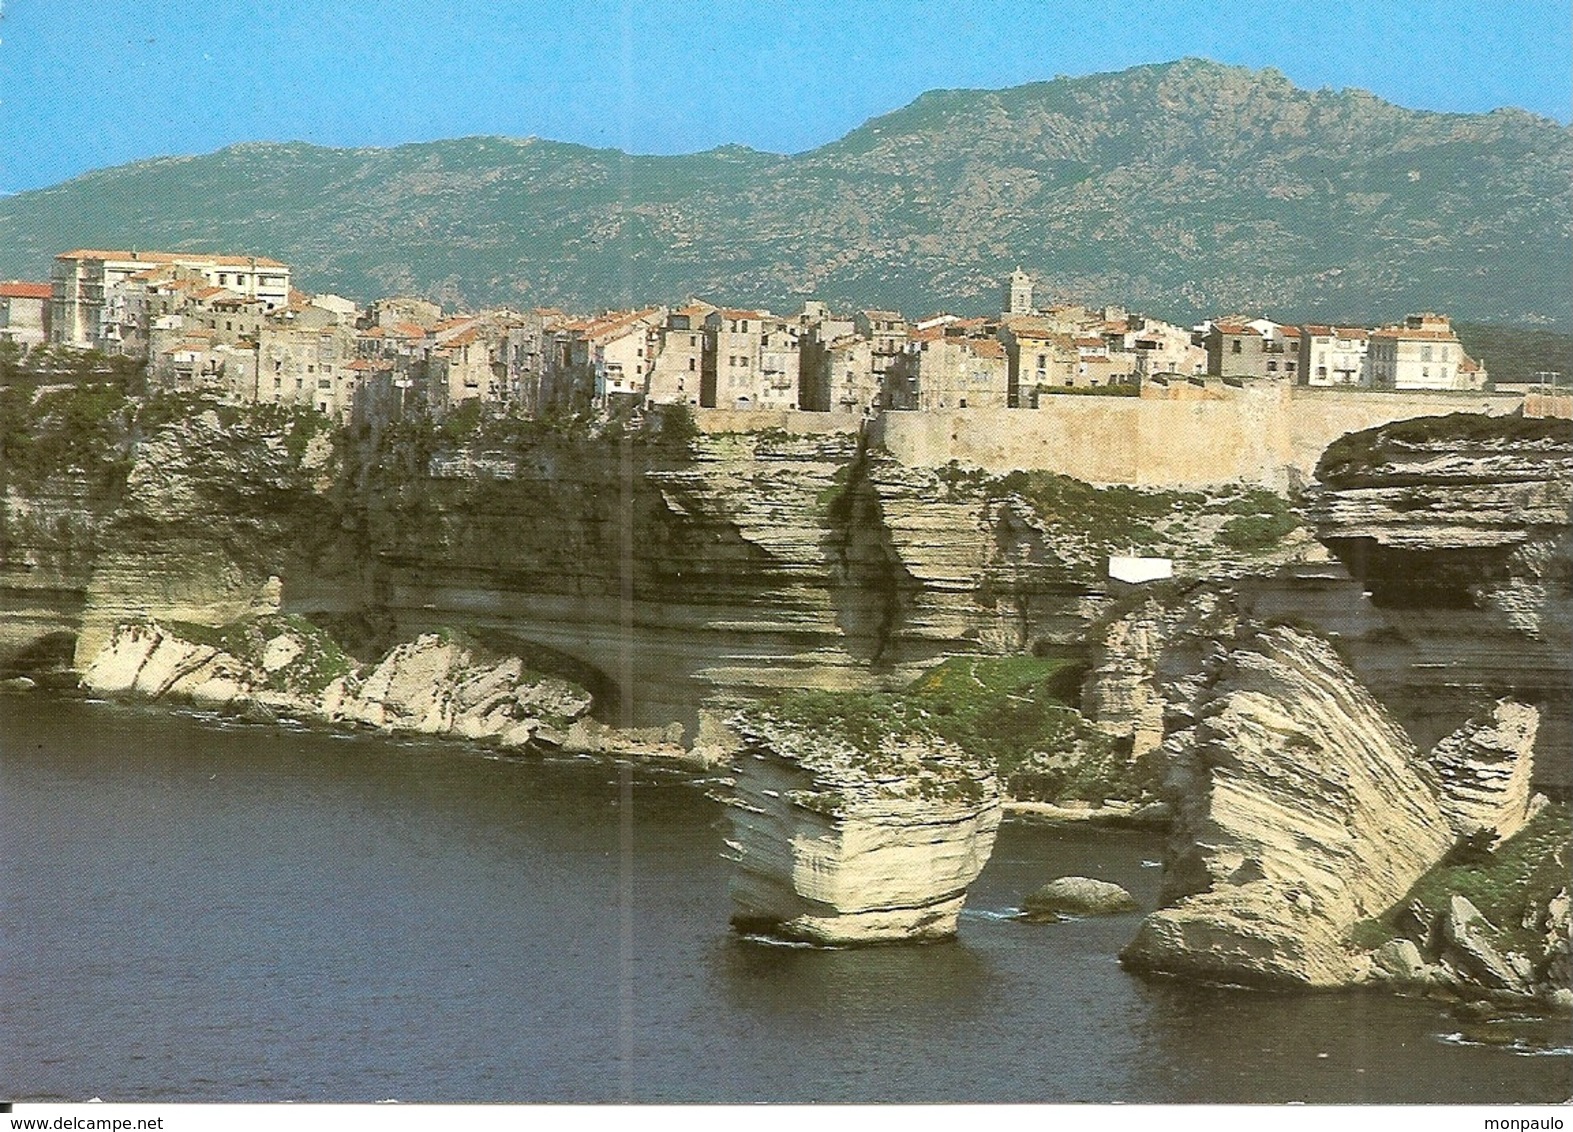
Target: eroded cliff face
(1302, 809)
(214, 513)
(1459, 530)
(664, 576)
(835, 845)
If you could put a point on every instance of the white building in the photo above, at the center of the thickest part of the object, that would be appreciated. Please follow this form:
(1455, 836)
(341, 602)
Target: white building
(1422, 353)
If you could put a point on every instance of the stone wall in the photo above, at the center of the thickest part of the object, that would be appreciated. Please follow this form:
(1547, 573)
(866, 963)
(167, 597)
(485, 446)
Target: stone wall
(1267, 433)
(796, 422)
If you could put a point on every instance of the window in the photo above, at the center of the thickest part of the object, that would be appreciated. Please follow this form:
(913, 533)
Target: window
(1234, 347)
(690, 364)
(1425, 353)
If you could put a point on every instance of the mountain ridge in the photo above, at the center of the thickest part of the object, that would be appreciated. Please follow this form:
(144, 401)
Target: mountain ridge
(1182, 188)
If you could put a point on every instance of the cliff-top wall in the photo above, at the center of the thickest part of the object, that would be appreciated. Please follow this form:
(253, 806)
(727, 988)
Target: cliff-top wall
(1270, 434)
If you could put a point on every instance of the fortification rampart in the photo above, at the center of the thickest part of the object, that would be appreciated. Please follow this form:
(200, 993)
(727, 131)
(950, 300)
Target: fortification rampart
(794, 421)
(1266, 433)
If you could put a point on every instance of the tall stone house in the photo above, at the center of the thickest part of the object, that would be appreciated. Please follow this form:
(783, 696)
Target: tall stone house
(946, 367)
(752, 360)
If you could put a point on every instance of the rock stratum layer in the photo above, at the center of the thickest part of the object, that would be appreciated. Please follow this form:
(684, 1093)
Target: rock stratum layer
(1458, 528)
(1301, 809)
(832, 845)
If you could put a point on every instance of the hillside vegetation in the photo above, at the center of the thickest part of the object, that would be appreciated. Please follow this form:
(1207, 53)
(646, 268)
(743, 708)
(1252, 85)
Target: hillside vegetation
(1182, 189)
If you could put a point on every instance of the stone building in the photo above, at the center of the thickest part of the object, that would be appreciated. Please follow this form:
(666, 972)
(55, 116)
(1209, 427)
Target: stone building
(1158, 347)
(818, 330)
(1038, 356)
(844, 379)
(752, 360)
(24, 313)
(82, 280)
(945, 369)
(677, 372)
(1257, 348)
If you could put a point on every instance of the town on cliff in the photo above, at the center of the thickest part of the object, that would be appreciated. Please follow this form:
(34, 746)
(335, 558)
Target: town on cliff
(901, 579)
(235, 326)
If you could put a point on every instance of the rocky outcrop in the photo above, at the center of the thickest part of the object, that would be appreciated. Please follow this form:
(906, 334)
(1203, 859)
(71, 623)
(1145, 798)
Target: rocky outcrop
(1458, 529)
(1076, 896)
(434, 685)
(1147, 662)
(1300, 809)
(1485, 769)
(835, 845)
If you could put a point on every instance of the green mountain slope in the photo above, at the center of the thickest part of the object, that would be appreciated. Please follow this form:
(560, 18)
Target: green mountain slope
(1183, 189)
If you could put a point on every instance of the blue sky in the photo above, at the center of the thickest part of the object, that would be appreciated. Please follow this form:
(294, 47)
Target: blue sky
(89, 83)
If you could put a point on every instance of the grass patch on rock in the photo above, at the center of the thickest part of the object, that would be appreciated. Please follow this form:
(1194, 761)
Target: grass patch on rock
(1519, 877)
(1013, 713)
(1509, 885)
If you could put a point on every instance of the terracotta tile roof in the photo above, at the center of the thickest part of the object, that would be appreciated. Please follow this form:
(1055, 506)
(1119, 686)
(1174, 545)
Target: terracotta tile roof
(408, 330)
(1235, 328)
(1407, 334)
(463, 338)
(985, 347)
(20, 290)
(615, 325)
(1289, 332)
(930, 334)
(730, 313)
(363, 365)
(173, 257)
(1090, 343)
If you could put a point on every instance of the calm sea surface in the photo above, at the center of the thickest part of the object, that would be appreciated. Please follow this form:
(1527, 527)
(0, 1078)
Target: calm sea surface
(192, 911)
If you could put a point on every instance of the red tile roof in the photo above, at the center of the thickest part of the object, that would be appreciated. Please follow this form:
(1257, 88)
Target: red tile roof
(20, 290)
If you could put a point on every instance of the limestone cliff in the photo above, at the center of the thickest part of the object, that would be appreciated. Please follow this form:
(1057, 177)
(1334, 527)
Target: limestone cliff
(834, 844)
(1459, 530)
(1301, 809)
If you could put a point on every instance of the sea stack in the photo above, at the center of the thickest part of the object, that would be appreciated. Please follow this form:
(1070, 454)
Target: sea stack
(837, 845)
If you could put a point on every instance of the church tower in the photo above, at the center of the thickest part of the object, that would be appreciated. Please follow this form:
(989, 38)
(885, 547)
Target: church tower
(1018, 293)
